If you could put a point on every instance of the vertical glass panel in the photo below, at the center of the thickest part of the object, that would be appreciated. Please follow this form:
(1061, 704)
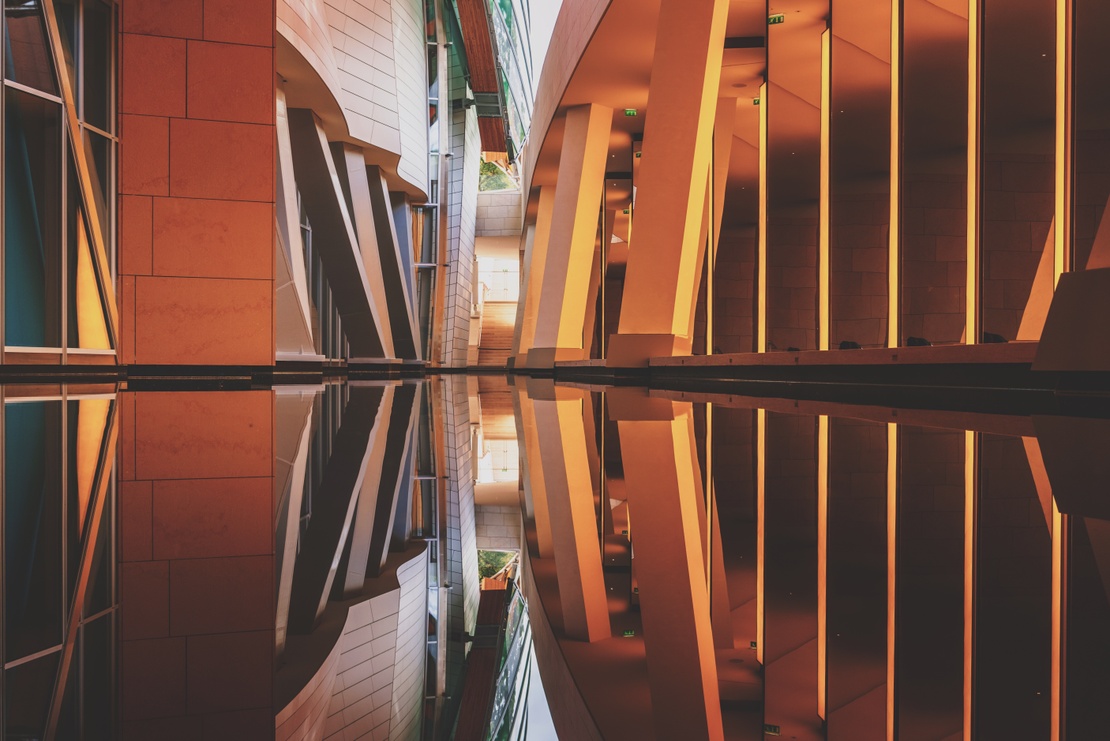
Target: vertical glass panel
(32, 221)
(87, 322)
(934, 174)
(859, 201)
(1017, 189)
(87, 421)
(32, 528)
(98, 684)
(67, 12)
(1091, 134)
(27, 693)
(26, 46)
(97, 72)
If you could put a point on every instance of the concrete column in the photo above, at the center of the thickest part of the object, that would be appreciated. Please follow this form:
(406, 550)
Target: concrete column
(663, 272)
(570, 499)
(535, 258)
(562, 300)
(661, 475)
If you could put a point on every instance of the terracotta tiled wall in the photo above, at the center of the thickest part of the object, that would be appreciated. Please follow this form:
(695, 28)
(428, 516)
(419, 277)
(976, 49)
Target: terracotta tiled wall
(934, 257)
(196, 515)
(1018, 204)
(196, 182)
(859, 244)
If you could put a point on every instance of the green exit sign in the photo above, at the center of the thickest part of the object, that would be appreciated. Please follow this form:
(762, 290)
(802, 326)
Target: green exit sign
(639, 154)
(630, 112)
(626, 212)
(755, 101)
(777, 18)
(629, 634)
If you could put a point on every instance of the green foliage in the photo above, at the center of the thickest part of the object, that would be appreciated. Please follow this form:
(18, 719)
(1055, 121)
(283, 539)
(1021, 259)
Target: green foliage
(490, 562)
(492, 177)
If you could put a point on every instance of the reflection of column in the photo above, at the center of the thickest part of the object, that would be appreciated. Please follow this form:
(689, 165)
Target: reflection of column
(534, 489)
(561, 305)
(663, 274)
(292, 436)
(661, 470)
(197, 578)
(568, 484)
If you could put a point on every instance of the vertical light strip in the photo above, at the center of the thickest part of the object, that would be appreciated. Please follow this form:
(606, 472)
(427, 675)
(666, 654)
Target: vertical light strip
(1062, 221)
(971, 333)
(760, 541)
(970, 455)
(894, 252)
(1056, 687)
(761, 258)
(891, 569)
(822, 562)
(823, 245)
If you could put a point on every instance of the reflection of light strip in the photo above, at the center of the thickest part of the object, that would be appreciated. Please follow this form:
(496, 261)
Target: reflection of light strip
(969, 573)
(823, 218)
(822, 560)
(894, 258)
(971, 332)
(1062, 224)
(1057, 621)
(760, 501)
(761, 258)
(891, 565)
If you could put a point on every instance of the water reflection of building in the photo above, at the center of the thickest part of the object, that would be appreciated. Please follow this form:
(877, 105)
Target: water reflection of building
(870, 572)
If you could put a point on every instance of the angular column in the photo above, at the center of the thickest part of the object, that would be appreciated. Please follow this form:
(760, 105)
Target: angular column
(561, 304)
(570, 499)
(663, 272)
(334, 234)
(535, 257)
(661, 471)
(596, 272)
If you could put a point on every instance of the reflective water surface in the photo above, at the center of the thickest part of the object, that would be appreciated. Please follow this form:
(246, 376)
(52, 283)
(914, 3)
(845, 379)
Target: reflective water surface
(470, 557)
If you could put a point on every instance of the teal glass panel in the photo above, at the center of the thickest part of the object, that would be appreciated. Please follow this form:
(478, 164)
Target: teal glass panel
(32, 528)
(27, 57)
(33, 221)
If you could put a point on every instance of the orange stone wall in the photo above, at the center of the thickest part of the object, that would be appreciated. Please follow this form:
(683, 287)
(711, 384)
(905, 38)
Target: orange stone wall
(196, 273)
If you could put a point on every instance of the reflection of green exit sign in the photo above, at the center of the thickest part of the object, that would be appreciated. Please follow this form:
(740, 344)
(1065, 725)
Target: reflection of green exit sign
(771, 730)
(775, 19)
(755, 101)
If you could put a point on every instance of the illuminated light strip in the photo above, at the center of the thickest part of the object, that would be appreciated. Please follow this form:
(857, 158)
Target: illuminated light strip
(761, 258)
(823, 245)
(894, 258)
(822, 563)
(1062, 221)
(971, 289)
(1056, 686)
(891, 568)
(760, 507)
(970, 455)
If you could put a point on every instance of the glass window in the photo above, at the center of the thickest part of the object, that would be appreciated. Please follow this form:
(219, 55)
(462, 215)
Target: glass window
(33, 219)
(27, 693)
(26, 48)
(98, 65)
(98, 680)
(87, 324)
(67, 12)
(32, 528)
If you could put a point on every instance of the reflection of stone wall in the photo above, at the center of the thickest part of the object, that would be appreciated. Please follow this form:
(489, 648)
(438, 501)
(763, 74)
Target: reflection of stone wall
(1018, 205)
(1092, 188)
(858, 255)
(792, 283)
(934, 257)
(196, 517)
